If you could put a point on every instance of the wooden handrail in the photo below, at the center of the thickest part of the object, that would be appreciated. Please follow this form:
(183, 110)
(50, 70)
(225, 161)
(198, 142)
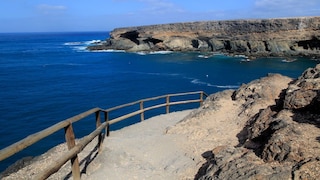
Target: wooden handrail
(155, 98)
(31, 139)
(75, 149)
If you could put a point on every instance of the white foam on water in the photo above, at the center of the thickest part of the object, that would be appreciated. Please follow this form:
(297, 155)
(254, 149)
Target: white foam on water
(161, 52)
(203, 56)
(288, 60)
(108, 50)
(143, 53)
(72, 43)
(82, 45)
(197, 81)
(92, 42)
(245, 60)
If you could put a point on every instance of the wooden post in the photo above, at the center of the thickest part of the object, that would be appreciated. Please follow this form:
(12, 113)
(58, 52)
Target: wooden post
(100, 138)
(98, 119)
(142, 111)
(106, 119)
(201, 98)
(70, 138)
(168, 106)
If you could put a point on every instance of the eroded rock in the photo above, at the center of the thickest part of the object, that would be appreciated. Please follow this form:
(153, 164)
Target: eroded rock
(240, 163)
(280, 142)
(265, 37)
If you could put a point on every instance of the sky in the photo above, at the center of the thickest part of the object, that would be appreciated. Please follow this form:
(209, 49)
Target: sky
(105, 15)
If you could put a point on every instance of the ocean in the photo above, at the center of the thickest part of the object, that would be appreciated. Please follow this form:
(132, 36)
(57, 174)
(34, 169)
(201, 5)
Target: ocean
(49, 77)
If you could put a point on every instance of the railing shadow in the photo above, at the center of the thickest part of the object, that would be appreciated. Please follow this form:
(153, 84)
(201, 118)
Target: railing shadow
(87, 159)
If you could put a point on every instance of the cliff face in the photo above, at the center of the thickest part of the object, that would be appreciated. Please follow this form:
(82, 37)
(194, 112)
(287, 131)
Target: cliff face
(268, 37)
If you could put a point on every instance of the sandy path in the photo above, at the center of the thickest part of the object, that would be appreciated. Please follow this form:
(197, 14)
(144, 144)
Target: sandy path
(166, 146)
(142, 151)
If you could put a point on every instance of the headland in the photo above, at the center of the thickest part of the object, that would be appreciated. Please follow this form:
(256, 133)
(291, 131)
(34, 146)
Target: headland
(254, 38)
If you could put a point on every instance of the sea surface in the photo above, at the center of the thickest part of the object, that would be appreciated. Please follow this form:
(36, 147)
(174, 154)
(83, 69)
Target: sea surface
(49, 77)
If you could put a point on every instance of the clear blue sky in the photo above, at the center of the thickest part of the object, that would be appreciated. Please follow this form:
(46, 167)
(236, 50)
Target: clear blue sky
(105, 15)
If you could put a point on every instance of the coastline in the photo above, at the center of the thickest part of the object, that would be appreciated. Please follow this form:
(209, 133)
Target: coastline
(282, 37)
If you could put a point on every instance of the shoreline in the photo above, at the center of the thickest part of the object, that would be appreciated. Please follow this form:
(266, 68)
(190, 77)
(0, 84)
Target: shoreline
(284, 37)
(209, 54)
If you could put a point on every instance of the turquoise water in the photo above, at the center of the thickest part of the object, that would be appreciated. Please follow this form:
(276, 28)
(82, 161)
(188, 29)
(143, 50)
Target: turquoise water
(48, 77)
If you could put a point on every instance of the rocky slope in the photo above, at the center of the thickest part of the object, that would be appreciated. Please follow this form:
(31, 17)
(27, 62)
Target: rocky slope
(281, 141)
(265, 37)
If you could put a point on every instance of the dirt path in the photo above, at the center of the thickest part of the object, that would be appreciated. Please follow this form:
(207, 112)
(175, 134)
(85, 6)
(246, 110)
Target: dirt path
(166, 146)
(142, 151)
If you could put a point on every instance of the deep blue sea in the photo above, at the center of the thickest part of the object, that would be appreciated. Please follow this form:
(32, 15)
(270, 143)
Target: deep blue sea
(48, 77)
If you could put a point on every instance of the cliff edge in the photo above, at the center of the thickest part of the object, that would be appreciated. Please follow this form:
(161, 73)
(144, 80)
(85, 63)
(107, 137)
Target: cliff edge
(264, 37)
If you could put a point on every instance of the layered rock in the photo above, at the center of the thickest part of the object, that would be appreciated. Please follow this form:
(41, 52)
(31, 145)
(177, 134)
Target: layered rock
(266, 37)
(281, 141)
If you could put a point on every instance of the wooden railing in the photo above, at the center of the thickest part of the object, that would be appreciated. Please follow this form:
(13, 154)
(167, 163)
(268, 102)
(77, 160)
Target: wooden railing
(75, 149)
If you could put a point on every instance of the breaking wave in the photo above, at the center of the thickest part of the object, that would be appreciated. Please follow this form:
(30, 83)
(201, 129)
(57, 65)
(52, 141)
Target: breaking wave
(108, 50)
(81, 45)
(289, 60)
(155, 52)
(197, 81)
(77, 43)
(62, 64)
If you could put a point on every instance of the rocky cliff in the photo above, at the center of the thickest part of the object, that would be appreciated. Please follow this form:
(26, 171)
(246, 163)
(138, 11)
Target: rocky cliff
(265, 37)
(281, 141)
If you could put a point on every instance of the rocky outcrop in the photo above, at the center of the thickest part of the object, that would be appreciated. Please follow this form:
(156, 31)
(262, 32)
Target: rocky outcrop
(281, 141)
(266, 37)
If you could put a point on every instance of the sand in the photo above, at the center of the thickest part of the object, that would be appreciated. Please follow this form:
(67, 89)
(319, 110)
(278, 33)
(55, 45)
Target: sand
(167, 146)
(143, 151)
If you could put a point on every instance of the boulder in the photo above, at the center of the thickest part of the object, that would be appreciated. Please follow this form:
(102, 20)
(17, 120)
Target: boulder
(304, 92)
(239, 163)
(217, 45)
(178, 43)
